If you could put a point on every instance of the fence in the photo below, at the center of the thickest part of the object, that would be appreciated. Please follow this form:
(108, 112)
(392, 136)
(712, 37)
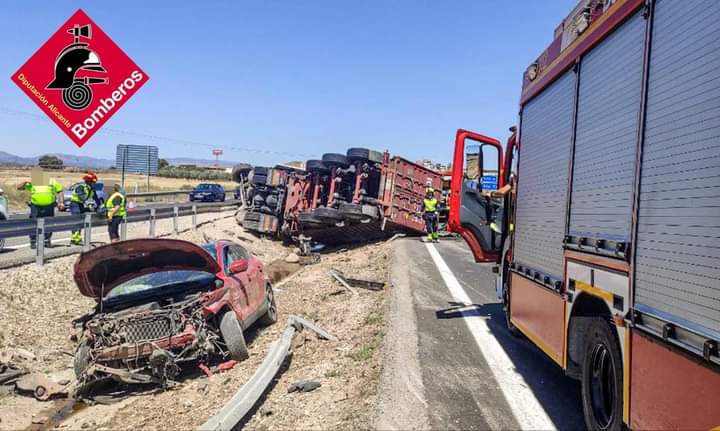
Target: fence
(22, 228)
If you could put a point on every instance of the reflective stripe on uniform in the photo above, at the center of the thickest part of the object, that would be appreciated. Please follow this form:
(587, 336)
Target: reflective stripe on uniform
(81, 192)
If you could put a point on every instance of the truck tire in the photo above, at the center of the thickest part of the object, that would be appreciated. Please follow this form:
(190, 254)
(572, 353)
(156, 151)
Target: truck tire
(81, 359)
(316, 166)
(334, 159)
(270, 316)
(602, 377)
(328, 215)
(358, 154)
(308, 221)
(241, 171)
(232, 334)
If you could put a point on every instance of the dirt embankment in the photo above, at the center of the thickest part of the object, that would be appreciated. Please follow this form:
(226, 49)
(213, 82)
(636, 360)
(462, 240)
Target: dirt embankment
(39, 303)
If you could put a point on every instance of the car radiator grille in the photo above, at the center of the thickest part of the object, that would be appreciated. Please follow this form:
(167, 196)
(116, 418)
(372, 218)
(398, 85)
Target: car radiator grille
(149, 329)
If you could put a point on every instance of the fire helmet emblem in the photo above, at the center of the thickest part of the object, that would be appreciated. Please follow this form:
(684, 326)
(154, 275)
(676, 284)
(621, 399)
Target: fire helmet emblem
(76, 57)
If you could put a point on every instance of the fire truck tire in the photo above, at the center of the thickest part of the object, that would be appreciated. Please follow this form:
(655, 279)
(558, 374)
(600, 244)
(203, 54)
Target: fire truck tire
(233, 335)
(334, 159)
(241, 171)
(358, 154)
(512, 329)
(82, 359)
(316, 166)
(602, 377)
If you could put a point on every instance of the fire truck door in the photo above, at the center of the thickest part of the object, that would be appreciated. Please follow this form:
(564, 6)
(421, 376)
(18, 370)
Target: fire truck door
(475, 213)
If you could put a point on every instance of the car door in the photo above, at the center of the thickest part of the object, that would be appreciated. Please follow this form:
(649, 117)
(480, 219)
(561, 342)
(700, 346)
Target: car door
(239, 288)
(255, 276)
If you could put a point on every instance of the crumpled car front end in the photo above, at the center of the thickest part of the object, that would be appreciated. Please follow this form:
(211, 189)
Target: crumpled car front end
(147, 343)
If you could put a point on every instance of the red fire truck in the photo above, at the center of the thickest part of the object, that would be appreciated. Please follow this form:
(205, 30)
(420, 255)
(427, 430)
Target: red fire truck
(607, 244)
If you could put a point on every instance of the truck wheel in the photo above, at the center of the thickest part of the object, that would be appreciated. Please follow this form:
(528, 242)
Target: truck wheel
(512, 329)
(81, 360)
(270, 316)
(602, 378)
(328, 215)
(241, 171)
(233, 335)
(334, 159)
(316, 166)
(358, 154)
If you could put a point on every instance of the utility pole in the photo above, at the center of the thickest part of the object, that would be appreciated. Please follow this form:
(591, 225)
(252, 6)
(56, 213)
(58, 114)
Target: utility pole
(124, 162)
(148, 168)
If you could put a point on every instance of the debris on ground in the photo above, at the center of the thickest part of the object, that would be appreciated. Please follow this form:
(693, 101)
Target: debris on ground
(304, 386)
(41, 386)
(347, 368)
(355, 282)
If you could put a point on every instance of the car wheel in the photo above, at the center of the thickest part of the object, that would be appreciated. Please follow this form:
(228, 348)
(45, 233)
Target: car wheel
(602, 378)
(81, 360)
(270, 317)
(233, 335)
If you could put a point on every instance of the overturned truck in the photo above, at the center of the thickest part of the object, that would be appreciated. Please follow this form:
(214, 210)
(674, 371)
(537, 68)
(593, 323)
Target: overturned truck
(358, 196)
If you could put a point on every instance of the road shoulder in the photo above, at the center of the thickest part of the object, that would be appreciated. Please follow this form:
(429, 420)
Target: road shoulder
(401, 398)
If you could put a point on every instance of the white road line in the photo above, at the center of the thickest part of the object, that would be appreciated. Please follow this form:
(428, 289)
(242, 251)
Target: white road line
(525, 406)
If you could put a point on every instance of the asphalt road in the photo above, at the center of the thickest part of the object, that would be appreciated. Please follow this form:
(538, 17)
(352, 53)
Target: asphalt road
(450, 362)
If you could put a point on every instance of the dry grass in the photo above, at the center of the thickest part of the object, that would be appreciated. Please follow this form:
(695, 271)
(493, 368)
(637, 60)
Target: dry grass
(10, 178)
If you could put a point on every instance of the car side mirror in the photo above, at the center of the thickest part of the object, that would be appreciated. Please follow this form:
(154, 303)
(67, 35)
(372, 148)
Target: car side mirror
(238, 266)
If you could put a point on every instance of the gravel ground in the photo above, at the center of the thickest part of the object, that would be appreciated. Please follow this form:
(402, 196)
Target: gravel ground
(347, 369)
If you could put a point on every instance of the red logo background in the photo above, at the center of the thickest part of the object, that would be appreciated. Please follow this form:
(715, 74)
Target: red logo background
(39, 71)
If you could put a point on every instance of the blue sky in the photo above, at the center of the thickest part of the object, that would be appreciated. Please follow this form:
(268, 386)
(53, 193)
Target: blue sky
(292, 79)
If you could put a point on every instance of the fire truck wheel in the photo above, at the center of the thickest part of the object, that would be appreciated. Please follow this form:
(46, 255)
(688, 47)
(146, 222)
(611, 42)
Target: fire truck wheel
(602, 366)
(358, 154)
(233, 335)
(333, 159)
(512, 329)
(316, 166)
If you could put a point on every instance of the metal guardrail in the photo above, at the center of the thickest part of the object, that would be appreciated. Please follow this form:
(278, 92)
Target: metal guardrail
(86, 222)
(168, 193)
(245, 398)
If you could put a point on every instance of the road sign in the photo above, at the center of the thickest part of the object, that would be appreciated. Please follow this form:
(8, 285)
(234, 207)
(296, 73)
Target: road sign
(489, 182)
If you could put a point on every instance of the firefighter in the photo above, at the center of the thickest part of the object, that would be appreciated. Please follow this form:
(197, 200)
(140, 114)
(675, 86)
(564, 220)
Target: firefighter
(430, 214)
(116, 206)
(43, 199)
(83, 196)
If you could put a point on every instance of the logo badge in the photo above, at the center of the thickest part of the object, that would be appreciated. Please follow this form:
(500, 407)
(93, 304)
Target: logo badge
(80, 78)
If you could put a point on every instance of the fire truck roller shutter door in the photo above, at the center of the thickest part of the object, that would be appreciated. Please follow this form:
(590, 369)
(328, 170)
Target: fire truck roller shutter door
(677, 265)
(606, 135)
(543, 178)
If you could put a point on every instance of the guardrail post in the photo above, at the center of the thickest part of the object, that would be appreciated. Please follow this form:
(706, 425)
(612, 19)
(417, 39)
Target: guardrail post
(175, 220)
(194, 217)
(87, 232)
(123, 229)
(40, 241)
(152, 223)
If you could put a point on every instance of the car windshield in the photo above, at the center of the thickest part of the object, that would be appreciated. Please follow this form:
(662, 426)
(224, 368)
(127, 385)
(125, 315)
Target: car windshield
(211, 248)
(159, 280)
(205, 186)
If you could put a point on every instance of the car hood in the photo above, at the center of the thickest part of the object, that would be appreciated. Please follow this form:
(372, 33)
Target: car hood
(100, 270)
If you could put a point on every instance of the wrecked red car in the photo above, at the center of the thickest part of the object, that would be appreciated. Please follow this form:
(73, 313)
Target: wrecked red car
(162, 302)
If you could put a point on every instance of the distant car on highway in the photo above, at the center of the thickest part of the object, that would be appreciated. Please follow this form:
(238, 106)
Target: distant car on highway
(208, 192)
(99, 190)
